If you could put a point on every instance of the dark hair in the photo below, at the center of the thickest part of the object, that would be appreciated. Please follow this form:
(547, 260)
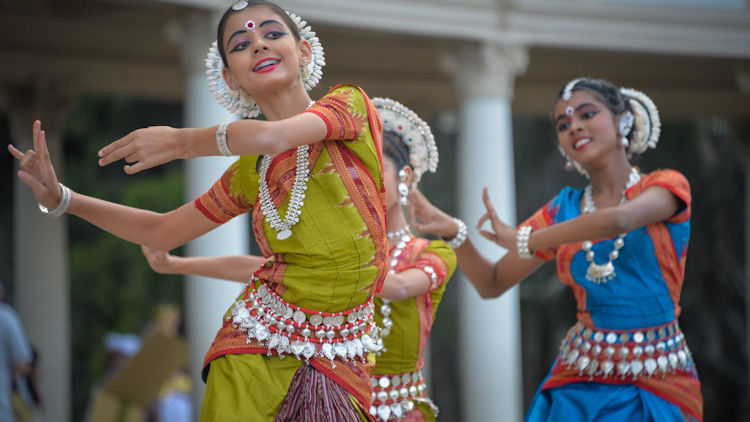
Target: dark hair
(395, 149)
(253, 3)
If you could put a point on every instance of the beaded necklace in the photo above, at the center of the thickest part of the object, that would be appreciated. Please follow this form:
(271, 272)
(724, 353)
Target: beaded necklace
(296, 195)
(602, 273)
(403, 236)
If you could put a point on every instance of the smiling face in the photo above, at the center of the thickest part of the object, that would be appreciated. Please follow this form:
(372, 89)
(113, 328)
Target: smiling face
(262, 52)
(585, 127)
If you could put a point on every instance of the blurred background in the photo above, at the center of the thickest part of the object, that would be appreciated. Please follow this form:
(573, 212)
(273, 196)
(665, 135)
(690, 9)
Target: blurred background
(484, 73)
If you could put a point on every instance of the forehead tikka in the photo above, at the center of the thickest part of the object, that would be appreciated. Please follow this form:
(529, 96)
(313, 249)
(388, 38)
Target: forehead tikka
(239, 5)
(567, 93)
(250, 25)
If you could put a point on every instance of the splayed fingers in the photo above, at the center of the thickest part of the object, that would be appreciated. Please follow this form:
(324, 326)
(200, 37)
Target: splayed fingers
(427, 218)
(501, 233)
(36, 170)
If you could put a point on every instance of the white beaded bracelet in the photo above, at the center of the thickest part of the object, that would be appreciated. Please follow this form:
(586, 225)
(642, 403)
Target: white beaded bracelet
(221, 140)
(461, 234)
(522, 242)
(65, 197)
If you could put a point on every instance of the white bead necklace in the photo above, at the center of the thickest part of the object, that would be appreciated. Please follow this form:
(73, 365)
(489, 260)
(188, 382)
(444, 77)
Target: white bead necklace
(404, 236)
(296, 195)
(602, 273)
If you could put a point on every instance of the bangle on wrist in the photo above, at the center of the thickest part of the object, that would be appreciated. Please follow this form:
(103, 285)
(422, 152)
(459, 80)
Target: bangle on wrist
(221, 140)
(522, 242)
(65, 197)
(461, 234)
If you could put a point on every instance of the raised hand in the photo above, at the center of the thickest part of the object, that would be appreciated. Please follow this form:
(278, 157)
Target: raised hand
(427, 218)
(146, 148)
(502, 234)
(37, 171)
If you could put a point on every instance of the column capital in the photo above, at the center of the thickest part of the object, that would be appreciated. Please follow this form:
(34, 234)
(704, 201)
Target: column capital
(488, 69)
(193, 34)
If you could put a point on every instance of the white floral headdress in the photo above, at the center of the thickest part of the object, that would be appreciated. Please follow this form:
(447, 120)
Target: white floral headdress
(647, 125)
(414, 132)
(239, 101)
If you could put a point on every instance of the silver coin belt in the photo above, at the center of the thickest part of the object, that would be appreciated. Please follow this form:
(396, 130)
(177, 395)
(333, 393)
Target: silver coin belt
(647, 352)
(393, 395)
(288, 329)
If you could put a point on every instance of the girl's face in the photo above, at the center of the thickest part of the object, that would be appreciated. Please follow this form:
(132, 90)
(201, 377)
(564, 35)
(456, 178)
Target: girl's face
(262, 52)
(589, 131)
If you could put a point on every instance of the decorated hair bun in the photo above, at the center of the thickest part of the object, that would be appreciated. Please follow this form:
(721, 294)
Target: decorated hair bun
(647, 126)
(414, 132)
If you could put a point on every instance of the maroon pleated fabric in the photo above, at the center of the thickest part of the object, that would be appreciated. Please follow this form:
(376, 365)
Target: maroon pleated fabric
(313, 397)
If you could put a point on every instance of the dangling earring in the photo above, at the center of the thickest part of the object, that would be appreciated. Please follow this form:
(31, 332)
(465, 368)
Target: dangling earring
(403, 190)
(568, 165)
(626, 124)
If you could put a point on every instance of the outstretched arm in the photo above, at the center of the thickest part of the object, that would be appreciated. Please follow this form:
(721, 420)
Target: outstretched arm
(490, 278)
(163, 231)
(150, 147)
(235, 268)
(653, 205)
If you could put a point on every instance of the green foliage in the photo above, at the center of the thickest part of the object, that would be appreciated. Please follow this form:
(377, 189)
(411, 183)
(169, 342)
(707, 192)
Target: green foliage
(112, 286)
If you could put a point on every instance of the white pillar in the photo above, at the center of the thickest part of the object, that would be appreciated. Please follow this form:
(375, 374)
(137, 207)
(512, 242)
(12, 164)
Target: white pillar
(489, 339)
(41, 288)
(206, 299)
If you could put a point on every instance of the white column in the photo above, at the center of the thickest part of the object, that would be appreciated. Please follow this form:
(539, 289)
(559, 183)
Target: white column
(41, 287)
(489, 339)
(206, 299)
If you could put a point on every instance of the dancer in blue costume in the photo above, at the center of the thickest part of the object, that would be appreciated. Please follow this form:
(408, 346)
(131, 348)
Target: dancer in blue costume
(620, 244)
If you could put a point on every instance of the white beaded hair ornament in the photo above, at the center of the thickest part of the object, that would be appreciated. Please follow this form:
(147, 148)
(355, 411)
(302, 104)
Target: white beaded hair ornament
(647, 125)
(239, 101)
(414, 132)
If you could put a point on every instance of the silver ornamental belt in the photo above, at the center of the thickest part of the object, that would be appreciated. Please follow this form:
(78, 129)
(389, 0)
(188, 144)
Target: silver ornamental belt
(393, 395)
(625, 353)
(285, 328)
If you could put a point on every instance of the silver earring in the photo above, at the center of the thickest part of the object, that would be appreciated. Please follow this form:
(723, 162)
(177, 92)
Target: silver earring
(569, 165)
(403, 190)
(626, 125)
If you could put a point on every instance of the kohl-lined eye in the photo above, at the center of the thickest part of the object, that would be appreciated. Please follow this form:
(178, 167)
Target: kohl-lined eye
(240, 46)
(588, 114)
(275, 34)
(563, 126)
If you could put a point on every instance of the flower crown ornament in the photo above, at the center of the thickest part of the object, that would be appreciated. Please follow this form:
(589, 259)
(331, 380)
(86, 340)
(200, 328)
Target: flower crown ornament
(238, 101)
(414, 132)
(647, 124)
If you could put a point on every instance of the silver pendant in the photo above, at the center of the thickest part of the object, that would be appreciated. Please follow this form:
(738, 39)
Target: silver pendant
(600, 273)
(284, 234)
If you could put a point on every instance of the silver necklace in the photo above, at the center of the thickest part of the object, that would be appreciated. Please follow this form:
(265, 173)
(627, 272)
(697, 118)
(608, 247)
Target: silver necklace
(296, 195)
(602, 273)
(403, 236)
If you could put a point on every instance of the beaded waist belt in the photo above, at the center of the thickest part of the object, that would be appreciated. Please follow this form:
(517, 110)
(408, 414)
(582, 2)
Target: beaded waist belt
(286, 328)
(625, 353)
(393, 395)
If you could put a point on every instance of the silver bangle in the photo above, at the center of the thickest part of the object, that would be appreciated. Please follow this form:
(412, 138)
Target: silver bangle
(221, 140)
(65, 197)
(522, 242)
(461, 235)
